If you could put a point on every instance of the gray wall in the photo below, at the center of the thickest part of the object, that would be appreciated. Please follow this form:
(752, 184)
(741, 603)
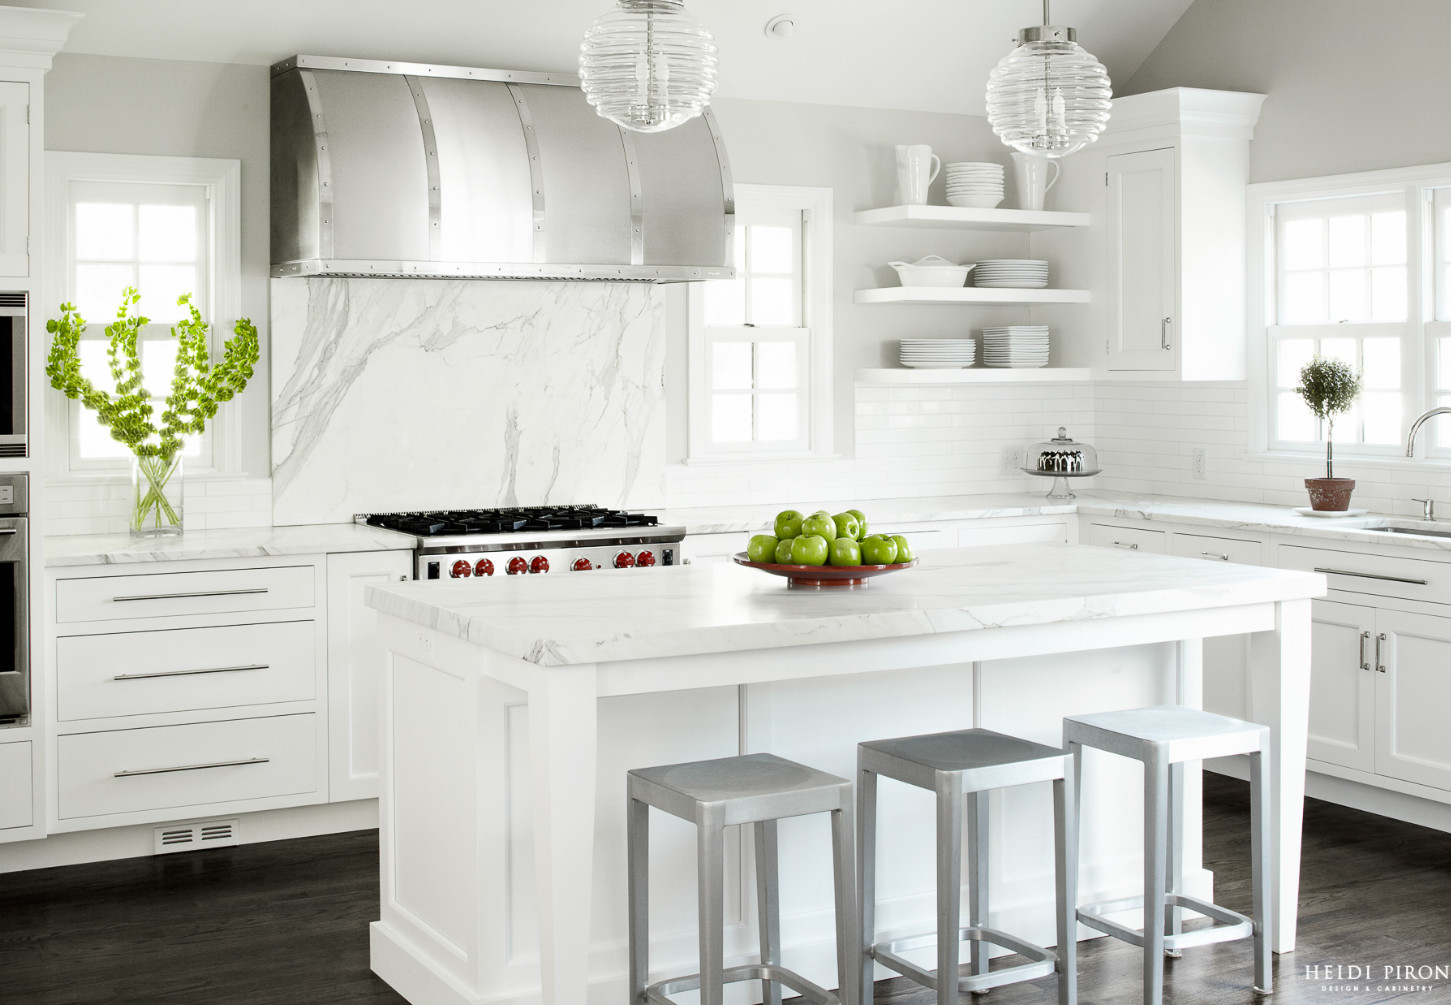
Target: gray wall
(1353, 86)
(106, 104)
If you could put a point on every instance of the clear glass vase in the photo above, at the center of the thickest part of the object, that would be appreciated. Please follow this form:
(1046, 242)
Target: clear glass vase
(156, 496)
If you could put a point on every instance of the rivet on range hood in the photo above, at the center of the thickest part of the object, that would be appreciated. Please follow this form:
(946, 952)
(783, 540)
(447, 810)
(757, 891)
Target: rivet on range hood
(392, 169)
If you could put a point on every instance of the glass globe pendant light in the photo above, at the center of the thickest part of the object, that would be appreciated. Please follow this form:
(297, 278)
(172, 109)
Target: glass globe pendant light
(648, 65)
(1049, 96)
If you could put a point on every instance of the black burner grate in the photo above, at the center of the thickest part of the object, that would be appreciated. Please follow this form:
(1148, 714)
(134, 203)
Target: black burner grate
(510, 520)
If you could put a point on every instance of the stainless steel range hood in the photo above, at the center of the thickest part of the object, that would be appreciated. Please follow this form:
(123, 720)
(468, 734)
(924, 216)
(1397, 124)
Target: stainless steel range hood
(405, 169)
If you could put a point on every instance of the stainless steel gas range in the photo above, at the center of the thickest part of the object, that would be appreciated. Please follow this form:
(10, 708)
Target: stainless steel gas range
(531, 540)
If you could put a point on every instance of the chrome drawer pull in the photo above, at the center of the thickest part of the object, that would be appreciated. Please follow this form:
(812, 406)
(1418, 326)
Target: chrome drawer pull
(1373, 575)
(1130, 546)
(1364, 638)
(1217, 556)
(8, 532)
(188, 673)
(1165, 327)
(198, 593)
(191, 767)
(1379, 641)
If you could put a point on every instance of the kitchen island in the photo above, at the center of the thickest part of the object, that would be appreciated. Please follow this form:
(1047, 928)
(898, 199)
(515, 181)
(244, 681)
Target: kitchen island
(511, 711)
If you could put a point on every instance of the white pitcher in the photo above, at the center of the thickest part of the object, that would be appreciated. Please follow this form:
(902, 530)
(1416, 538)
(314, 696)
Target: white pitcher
(917, 165)
(1031, 173)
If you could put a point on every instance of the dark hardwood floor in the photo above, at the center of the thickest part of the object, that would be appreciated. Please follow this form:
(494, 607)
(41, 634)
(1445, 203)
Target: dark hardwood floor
(286, 924)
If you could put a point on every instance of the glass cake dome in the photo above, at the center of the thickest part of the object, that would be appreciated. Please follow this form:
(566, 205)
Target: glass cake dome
(1061, 458)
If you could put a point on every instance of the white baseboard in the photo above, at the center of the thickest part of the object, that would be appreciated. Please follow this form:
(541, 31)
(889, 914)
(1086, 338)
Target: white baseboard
(107, 844)
(1356, 795)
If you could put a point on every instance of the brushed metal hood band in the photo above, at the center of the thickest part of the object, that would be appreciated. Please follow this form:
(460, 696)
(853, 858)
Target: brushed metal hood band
(409, 170)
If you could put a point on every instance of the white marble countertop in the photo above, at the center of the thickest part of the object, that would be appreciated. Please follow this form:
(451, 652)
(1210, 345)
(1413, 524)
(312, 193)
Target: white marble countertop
(311, 539)
(1212, 513)
(722, 607)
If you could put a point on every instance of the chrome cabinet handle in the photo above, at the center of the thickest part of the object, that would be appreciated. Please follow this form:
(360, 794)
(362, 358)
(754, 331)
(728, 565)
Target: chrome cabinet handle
(1379, 641)
(1364, 663)
(1134, 546)
(1166, 327)
(191, 767)
(1217, 556)
(1373, 575)
(197, 593)
(8, 532)
(190, 673)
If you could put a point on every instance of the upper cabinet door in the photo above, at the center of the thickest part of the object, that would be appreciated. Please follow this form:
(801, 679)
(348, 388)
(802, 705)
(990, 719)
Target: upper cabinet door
(14, 179)
(1143, 260)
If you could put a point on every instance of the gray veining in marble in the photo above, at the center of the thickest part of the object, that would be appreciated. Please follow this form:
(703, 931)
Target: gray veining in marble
(621, 614)
(408, 394)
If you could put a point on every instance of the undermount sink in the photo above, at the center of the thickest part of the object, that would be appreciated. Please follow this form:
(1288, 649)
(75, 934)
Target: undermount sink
(1415, 530)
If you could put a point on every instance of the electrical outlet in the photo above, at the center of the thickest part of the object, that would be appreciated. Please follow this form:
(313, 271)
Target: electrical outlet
(1199, 463)
(1012, 460)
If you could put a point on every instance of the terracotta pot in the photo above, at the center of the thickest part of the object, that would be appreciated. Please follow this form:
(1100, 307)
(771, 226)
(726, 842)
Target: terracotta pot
(1330, 494)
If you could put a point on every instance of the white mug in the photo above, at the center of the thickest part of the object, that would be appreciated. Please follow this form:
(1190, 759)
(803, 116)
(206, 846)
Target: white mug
(1031, 173)
(917, 165)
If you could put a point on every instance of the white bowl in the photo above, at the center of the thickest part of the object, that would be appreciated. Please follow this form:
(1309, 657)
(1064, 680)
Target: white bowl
(931, 271)
(974, 201)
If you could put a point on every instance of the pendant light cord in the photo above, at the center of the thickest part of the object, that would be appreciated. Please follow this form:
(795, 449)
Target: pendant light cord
(1046, 22)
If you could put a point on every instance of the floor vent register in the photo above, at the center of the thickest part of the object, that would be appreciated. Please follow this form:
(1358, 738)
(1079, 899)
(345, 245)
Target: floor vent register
(192, 836)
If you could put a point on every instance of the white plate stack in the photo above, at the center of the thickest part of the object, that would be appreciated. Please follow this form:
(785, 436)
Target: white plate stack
(938, 353)
(976, 184)
(1017, 346)
(1012, 273)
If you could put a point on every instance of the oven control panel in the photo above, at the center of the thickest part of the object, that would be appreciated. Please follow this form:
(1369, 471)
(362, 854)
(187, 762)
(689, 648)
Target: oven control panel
(547, 561)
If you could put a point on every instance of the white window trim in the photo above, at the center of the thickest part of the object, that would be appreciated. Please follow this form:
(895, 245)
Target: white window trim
(816, 206)
(222, 178)
(1417, 364)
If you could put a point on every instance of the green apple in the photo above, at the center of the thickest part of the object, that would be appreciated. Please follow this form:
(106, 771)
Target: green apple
(788, 523)
(845, 551)
(847, 525)
(783, 551)
(762, 548)
(879, 550)
(810, 550)
(861, 518)
(819, 525)
(904, 550)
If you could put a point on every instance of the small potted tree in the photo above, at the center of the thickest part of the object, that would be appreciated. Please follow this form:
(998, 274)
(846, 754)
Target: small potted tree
(1329, 387)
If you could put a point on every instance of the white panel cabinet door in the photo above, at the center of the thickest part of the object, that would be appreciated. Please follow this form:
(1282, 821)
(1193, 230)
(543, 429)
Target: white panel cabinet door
(1413, 694)
(1342, 685)
(355, 668)
(14, 179)
(15, 782)
(1143, 260)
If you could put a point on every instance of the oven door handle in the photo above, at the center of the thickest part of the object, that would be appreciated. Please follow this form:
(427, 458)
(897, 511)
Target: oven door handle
(8, 532)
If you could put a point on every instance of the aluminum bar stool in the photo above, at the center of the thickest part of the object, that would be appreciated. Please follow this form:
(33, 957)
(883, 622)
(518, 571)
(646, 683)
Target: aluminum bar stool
(1163, 738)
(966, 763)
(756, 789)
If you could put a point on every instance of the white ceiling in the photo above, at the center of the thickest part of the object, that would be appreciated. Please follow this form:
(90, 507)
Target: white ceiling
(929, 55)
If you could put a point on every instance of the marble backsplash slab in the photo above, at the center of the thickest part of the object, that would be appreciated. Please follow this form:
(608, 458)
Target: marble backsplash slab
(395, 394)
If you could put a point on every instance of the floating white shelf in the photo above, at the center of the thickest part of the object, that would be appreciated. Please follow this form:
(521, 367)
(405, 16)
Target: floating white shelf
(975, 375)
(966, 295)
(958, 217)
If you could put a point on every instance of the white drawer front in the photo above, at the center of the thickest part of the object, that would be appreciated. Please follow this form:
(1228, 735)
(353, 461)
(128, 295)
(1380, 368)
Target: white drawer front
(1105, 535)
(15, 794)
(126, 770)
(971, 537)
(1379, 575)
(135, 673)
(108, 598)
(1218, 549)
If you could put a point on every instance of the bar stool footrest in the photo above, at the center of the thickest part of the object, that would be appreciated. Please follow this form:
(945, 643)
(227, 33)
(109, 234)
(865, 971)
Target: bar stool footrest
(1042, 962)
(1231, 924)
(658, 993)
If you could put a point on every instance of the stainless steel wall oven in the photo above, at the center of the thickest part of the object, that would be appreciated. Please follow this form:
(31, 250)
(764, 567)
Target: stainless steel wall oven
(14, 601)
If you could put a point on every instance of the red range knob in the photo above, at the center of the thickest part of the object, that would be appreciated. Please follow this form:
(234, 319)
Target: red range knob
(582, 565)
(483, 567)
(624, 560)
(517, 565)
(540, 564)
(461, 570)
(645, 559)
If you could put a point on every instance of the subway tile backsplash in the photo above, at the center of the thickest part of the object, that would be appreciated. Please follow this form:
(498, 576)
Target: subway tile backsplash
(101, 505)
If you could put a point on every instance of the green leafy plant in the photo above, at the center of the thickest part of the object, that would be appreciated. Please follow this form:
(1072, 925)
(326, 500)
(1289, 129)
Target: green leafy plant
(1329, 387)
(197, 388)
